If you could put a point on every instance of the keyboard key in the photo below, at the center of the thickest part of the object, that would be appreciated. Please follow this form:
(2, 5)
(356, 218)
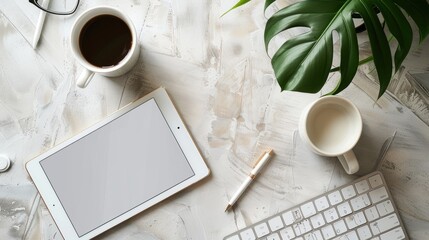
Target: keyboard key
(371, 214)
(297, 215)
(317, 221)
(262, 230)
(335, 198)
(247, 234)
(360, 202)
(376, 238)
(287, 233)
(344, 209)
(302, 227)
(308, 209)
(395, 234)
(275, 223)
(384, 224)
(321, 203)
(316, 235)
(375, 181)
(340, 227)
(355, 220)
(235, 237)
(378, 195)
(364, 233)
(351, 236)
(385, 208)
(330, 215)
(274, 236)
(348, 192)
(328, 232)
(362, 186)
(292, 216)
(288, 217)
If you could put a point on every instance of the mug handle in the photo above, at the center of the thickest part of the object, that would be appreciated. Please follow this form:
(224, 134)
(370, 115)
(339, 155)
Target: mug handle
(84, 78)
(349, 162)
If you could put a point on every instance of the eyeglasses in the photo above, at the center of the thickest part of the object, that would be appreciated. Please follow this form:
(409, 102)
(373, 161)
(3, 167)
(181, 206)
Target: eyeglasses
(63, 7)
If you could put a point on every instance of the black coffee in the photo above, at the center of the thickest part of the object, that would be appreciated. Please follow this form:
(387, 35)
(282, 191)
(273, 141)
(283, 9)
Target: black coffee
(105, 40)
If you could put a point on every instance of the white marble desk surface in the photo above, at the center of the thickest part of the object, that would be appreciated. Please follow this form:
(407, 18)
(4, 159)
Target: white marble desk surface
(220, 79)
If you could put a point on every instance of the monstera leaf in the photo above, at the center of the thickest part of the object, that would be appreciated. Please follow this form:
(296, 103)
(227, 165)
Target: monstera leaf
(303, 62)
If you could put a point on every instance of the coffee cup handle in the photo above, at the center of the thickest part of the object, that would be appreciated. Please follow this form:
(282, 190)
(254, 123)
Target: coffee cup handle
(84, 78)
(349, 162)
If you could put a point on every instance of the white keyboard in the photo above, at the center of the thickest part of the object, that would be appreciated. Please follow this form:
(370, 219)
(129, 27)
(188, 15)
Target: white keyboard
(361, 210)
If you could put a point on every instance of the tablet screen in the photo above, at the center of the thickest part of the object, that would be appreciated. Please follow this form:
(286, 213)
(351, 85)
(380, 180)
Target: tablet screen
(117, 167)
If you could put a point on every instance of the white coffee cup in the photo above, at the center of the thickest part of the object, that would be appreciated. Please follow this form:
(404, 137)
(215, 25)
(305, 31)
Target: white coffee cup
(118, 69)
(331, 126)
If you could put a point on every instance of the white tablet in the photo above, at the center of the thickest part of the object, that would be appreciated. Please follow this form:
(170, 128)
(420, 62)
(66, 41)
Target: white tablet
(117, 168)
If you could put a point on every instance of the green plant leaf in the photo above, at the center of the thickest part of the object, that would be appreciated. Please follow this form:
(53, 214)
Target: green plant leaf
(418, 11)
(238, 4)
(303, 62)
(268, 3)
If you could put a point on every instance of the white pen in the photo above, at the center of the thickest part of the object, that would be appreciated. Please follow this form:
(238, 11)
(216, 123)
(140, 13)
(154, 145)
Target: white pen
(40, 23)
(263, 159)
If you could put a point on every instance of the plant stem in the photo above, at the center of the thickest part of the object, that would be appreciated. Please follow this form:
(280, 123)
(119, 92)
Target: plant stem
(366, 60)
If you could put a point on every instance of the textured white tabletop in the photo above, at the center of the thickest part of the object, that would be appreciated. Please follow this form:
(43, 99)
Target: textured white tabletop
(220, 79)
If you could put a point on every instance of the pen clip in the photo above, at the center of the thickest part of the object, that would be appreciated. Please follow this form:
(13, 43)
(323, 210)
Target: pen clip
(268, 151)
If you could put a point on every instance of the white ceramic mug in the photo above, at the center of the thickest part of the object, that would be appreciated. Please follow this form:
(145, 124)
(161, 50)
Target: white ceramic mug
(118, 69)
(331, 126)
